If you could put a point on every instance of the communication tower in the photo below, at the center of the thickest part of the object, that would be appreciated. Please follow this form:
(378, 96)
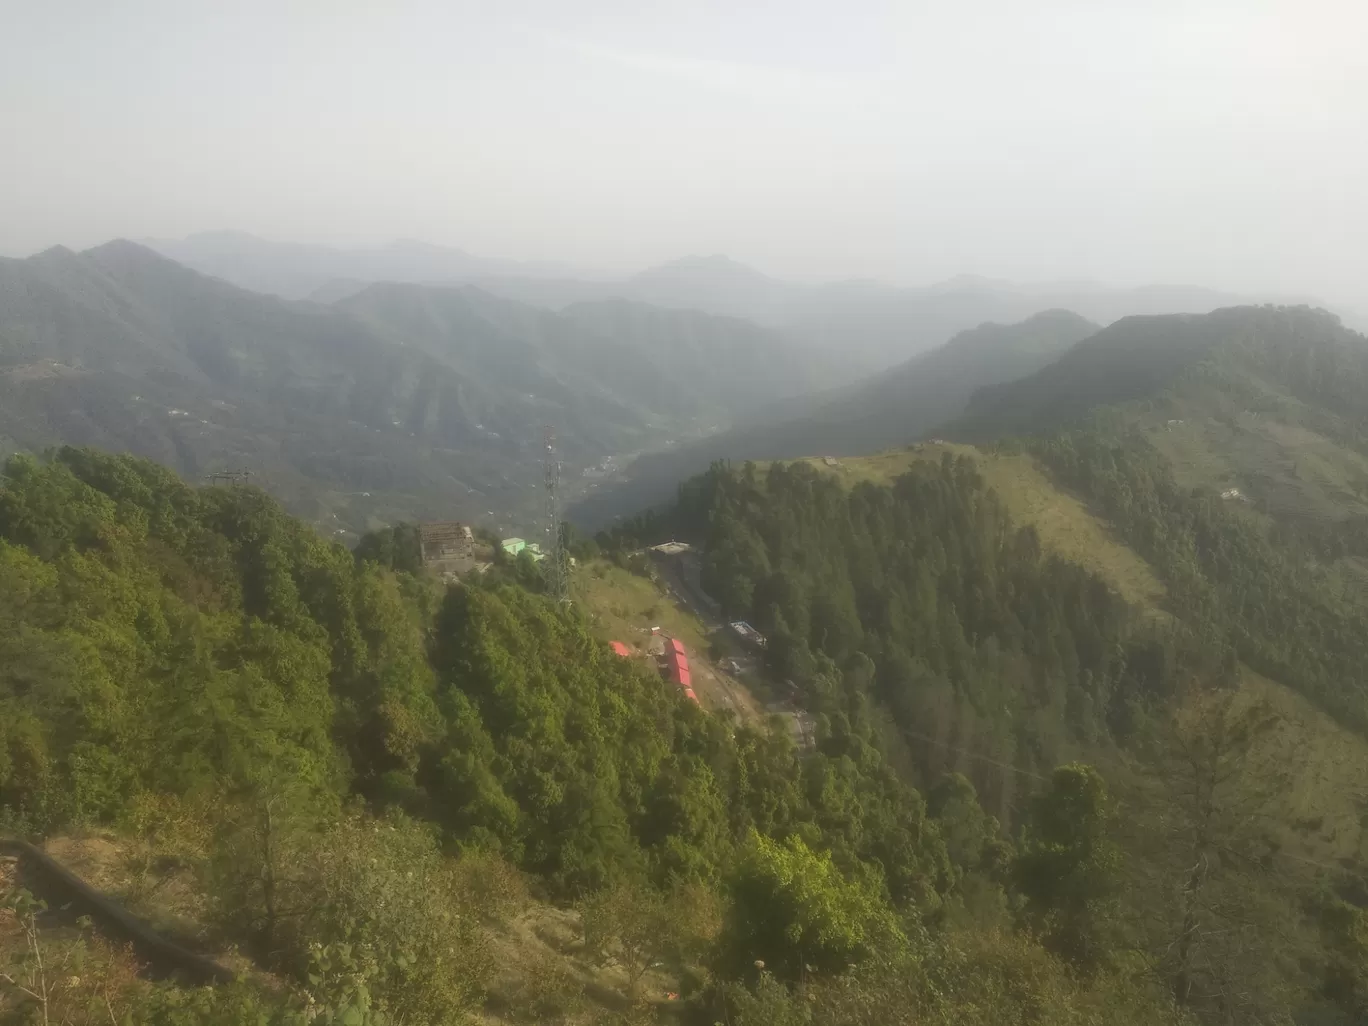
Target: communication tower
(556, 584)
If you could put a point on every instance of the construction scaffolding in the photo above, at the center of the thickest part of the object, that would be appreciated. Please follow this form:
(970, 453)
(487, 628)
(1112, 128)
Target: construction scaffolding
(230, 477)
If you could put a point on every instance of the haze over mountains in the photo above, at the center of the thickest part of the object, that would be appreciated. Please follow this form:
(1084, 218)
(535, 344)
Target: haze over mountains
(401, 389)
(430, 399)
(295, 270)
(872, 324)
(890, 408)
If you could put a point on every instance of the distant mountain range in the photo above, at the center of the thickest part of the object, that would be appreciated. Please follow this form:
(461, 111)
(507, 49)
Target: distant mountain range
(1270, 401)
(398, 397)
(429, 399)
(295, 270)
(873, 325)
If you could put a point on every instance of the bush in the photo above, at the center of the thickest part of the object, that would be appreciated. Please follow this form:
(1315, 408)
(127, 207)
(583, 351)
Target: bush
(792, 910)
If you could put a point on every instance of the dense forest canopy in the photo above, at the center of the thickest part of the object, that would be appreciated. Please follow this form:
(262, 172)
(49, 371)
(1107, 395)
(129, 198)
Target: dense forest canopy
(168, 639)
(920, 616)
(355, 759)
(934, 609)
(198, 646)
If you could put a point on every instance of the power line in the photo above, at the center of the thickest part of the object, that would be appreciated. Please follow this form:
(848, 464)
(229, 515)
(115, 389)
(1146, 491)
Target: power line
(972, 755)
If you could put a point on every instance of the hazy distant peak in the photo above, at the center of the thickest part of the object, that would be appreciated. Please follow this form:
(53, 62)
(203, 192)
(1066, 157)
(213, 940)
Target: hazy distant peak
(223, 235)
(973, 283)
(125, 253)
(299, 270)
(125, 247)
(718, 265)
(426, 248)
(1057, 315)
(54, 253)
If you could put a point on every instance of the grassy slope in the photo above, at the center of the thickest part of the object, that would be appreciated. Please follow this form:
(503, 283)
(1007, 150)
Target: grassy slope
(1319, 813)
(1321, 809)
(1271, 453)
(623, 607)
(1065, 525)
(1271, 447)
(542, 967)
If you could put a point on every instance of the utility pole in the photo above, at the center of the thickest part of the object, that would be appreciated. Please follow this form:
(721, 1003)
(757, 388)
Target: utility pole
(556, 584)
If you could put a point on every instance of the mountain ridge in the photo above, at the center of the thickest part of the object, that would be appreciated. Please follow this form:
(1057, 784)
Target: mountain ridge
(1265, 405)
(122, 347)
(873, 324)
(894, 407)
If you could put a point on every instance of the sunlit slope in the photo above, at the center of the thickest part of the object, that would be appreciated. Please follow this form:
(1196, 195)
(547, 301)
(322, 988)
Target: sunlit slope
(623, 606)
(1269, 401)
(1315, 816)
(1290, 458)
(1065, 525)
(1320, 808)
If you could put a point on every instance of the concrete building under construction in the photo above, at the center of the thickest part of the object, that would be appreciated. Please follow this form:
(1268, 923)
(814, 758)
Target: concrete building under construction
(445, 539)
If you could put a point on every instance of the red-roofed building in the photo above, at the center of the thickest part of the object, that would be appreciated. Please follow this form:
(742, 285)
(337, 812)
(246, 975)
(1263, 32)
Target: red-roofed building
(677, 645)
(689, 694)
(683, 679)
(620, 648)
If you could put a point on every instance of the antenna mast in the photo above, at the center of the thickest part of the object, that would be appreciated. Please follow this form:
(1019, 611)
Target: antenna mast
(556, 584)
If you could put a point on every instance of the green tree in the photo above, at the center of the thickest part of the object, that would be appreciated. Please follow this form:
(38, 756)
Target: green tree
(790, 908)
(1068, 869)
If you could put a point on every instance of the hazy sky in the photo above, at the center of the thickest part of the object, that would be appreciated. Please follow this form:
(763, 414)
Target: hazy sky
(1209, 142)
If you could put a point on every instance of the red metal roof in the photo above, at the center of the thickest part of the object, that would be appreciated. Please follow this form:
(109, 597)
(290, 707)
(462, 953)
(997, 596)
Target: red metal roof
(620, 648)
(682, 678)
(689, 694)
(677, 645)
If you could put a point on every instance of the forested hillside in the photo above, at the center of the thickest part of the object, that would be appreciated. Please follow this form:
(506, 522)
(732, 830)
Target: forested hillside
(930, 604)
(430, 400)
(349, 767)
(919, 607)
(1229, 451)
(1259, 354)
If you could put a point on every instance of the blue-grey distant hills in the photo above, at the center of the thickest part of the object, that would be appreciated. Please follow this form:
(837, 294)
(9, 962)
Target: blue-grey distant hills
(873, 325)
(430, 399)
(294, 270)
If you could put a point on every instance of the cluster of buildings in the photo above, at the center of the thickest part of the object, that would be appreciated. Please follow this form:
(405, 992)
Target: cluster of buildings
(677, 669)
(674, 665)
(514, 546)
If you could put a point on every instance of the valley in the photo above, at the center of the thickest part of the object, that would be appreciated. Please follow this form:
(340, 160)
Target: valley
(397, 402)
(1046, 565)
(580, 513)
